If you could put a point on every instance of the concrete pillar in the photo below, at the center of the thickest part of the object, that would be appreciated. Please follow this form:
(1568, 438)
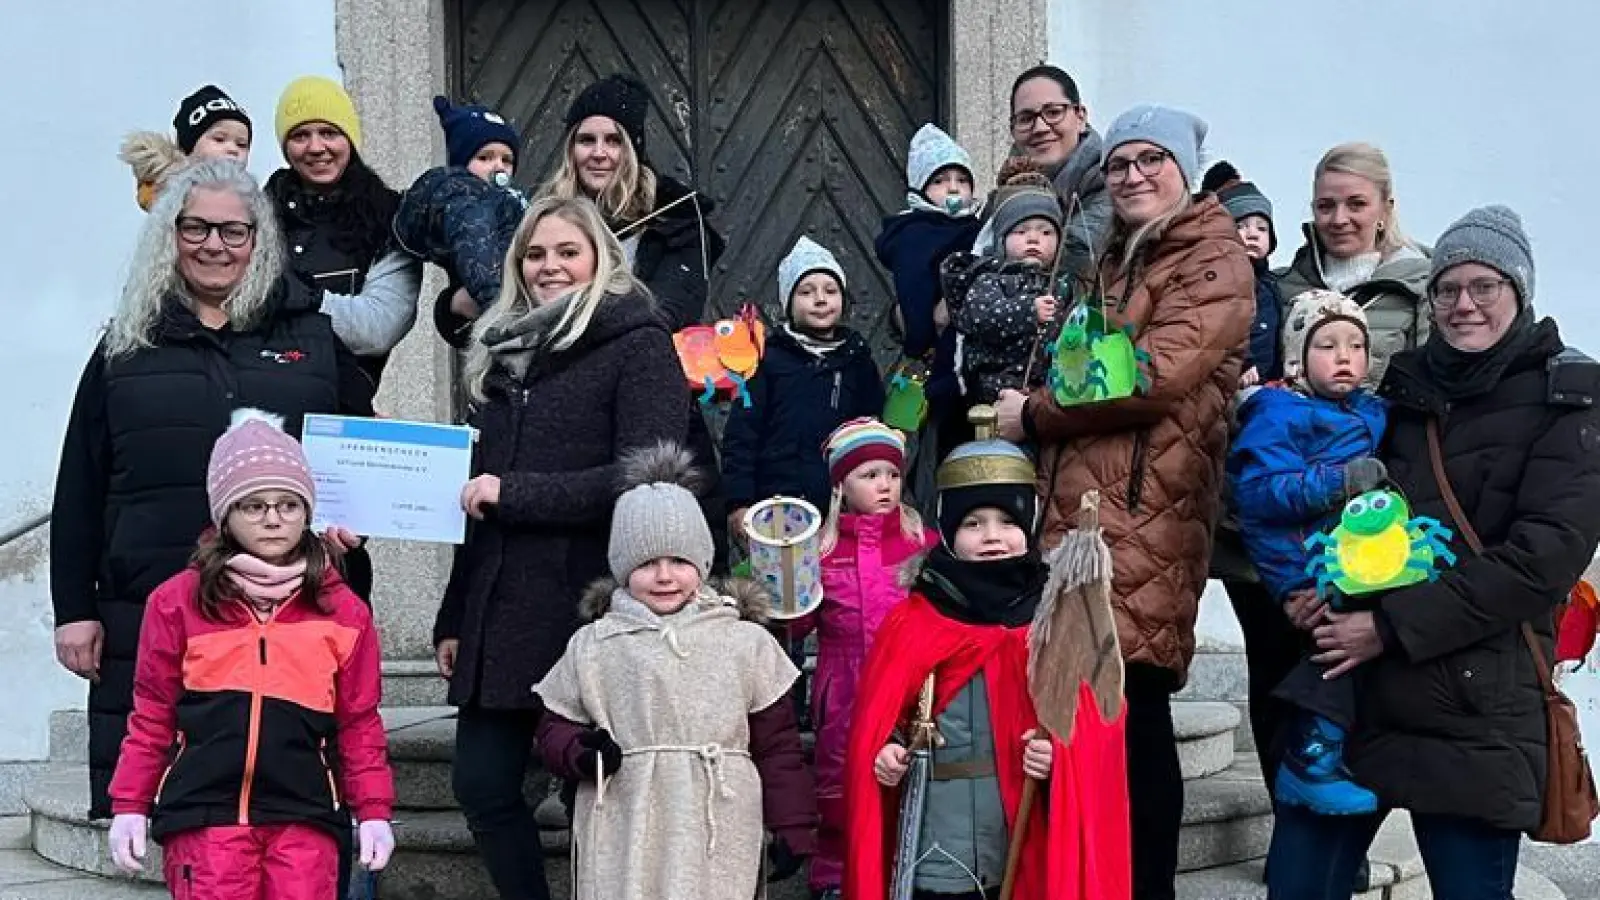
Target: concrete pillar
(392, 52)
(991, 43)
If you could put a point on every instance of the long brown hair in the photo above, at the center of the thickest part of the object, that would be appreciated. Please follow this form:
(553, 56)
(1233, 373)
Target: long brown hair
(217, 590)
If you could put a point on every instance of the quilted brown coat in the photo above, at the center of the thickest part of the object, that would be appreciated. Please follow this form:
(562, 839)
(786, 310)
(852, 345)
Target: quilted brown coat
(1156, 458)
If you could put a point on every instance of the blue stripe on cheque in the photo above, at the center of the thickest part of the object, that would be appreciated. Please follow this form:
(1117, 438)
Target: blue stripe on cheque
(389, 431)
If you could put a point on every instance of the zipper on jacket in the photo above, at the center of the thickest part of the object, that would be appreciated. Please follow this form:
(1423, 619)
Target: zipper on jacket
(188, 882)
(333, 790)
(253, 738)
(162, 784)
(837, 377)
(1136, 476)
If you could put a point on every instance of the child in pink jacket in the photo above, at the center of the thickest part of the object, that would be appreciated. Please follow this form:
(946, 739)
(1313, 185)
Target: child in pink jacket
(869, 537)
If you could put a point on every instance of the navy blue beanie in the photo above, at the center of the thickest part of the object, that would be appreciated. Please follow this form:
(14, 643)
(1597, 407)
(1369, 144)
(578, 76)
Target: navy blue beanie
(468, 128)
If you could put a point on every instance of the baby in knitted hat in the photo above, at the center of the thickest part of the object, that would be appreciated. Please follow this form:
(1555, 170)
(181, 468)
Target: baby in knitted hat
(1305, 449)
(674, 710)
(208, 125)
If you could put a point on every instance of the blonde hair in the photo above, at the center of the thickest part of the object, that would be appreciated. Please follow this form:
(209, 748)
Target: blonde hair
(1366, 161)
(1135, 242)
(154, 275)
(611, 279)
(631, 195)
(910, 522)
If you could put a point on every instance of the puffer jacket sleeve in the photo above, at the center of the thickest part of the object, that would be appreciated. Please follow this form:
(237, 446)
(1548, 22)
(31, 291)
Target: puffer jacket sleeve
(157, 687)
(77, 526)
(1201, 314)
(650, 405)
(1550, 543)
(788, 792)
(373, 322)
(363, 748)
(994, 313)
(1272, 481)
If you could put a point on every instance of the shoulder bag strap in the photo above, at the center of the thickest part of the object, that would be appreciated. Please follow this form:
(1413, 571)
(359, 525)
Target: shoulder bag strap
(1436, 457)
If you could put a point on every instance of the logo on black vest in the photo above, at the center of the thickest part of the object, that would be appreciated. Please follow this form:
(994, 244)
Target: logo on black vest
(284, 357)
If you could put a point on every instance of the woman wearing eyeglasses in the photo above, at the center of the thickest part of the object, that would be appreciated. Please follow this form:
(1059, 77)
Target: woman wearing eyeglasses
(1354, 245)
(1175, 274)
(207, 324)
(1050, 126)
(1452, 717)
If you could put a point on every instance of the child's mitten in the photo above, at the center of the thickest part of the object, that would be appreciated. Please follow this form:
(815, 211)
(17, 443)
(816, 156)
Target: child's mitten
(600, 749)
(1362, 475)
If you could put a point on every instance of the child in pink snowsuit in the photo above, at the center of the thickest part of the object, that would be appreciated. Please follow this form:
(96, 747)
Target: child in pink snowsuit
(869, 537)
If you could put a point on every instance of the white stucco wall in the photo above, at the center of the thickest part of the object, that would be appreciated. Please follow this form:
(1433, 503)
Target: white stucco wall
(1474, 103)
(73, 79)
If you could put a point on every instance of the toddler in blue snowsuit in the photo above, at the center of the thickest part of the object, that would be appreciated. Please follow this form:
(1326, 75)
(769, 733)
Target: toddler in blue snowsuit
(1305, 448)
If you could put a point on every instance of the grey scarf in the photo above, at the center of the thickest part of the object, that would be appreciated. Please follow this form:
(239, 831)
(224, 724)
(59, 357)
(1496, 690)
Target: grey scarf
(515, 342)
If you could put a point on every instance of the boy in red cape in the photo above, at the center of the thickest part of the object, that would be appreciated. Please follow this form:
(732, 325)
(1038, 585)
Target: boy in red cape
(967, 621)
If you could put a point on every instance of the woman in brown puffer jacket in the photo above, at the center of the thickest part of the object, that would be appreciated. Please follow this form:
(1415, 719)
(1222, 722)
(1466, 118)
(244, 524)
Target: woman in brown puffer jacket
(1176, 273)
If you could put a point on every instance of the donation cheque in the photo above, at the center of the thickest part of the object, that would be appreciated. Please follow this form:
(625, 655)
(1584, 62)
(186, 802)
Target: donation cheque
(387, 478)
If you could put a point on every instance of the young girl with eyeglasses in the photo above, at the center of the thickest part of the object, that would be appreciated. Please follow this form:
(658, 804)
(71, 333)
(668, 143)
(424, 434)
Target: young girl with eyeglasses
(255, 734)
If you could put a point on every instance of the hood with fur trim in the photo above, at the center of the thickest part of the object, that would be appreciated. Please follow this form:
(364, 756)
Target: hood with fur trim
(749, 597)
(152, 157)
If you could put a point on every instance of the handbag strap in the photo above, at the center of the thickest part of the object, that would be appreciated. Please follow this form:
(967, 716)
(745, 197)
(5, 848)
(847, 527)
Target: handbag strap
(1436, 457)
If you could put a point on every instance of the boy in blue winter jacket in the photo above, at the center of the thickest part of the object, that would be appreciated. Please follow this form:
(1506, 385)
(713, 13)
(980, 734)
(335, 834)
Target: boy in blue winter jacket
(1252, 216)
(1304, 449)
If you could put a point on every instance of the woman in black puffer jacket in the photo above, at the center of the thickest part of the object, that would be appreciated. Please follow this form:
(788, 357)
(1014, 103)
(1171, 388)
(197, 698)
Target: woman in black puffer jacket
(1452, 717)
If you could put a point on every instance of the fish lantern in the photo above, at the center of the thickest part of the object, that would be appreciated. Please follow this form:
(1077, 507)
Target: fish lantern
(719, 359)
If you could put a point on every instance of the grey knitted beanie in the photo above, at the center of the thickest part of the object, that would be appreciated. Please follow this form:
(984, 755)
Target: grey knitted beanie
(1173, 130)
(1020, 205)
(658, 514)
(1491, 236)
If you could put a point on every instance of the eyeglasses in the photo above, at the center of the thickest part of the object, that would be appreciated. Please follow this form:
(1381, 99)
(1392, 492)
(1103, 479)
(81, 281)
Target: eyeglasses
(195, 231)
(1482, 291)
(1149, 163)
(289, 510)
(1052, 114)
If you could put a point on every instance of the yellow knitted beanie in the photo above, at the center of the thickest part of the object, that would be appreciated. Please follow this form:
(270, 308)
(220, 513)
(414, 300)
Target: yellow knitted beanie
(317, 99)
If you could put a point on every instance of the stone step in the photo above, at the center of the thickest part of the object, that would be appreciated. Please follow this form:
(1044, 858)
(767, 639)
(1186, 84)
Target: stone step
(15, 833)
(1227, 817)
(24, 876)
(1243, 882)
(1205, 731)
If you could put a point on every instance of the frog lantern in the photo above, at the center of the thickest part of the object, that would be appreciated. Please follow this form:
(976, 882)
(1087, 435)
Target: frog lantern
(1377, 545)
(1092, 362)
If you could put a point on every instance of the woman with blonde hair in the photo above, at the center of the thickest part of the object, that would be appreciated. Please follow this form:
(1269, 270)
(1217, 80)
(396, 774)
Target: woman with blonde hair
(1176, 276)
(207, 324)
(661, 223)
(1354, 245)
(569, 371)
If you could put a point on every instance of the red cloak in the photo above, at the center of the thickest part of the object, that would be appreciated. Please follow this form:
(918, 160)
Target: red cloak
(1077, 846)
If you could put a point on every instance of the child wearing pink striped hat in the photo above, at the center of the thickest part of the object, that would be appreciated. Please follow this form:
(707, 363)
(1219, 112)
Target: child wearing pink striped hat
(868, 539)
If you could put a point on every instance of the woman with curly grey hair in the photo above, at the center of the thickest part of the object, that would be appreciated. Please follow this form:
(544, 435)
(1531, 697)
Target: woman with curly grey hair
(207, 324)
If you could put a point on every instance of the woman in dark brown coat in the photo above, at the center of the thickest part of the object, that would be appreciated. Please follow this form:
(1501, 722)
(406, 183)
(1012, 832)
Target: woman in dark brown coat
(1176, 274)
(569, 370)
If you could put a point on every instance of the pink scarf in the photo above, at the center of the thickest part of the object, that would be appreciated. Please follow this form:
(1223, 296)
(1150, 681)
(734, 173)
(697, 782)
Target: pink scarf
(264, 584)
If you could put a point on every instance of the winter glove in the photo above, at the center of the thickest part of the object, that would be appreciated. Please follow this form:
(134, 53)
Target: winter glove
(128, 833)
(598, 748)
(782, 863)
(1362, 475)
(376, 840)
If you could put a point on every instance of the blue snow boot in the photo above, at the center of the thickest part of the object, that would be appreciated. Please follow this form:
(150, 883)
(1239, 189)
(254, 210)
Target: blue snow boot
(1313, 775)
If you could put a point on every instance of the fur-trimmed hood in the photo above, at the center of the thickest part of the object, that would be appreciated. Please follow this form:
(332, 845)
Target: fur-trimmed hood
(748, 596)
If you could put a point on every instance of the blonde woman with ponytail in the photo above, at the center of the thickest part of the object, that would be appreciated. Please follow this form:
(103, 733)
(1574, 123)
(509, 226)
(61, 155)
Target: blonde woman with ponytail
(1176, 275)
(569, 371)
(660, 223)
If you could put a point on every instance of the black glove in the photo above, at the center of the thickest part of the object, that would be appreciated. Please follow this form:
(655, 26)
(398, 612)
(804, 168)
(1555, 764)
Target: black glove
(1362, 475)
(599, 748)
(782, 863)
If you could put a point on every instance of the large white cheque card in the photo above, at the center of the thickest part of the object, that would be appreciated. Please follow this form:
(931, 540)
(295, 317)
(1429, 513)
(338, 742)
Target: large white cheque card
(388, 478)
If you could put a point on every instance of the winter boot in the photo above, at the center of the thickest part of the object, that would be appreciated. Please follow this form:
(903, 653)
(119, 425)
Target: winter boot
(1313, 774)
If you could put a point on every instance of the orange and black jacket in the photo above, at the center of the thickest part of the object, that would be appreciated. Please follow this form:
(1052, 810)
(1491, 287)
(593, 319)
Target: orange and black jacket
(249, 722)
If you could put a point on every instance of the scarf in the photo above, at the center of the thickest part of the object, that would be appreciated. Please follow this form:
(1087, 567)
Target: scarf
(515, 342)
(988, 592)
(265, 585)
(1459, 374)
(813, 344)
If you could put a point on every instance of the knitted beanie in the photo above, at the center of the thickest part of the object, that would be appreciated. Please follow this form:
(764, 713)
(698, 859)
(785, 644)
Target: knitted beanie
(201, 110)
(468, 128)
(255, 454)
(658, 514)
(1491, 236)
(1308, 312)
(860, 441)
(807, 256)
(1017, 206)
(932, 150)
(987, 471)
(1243, 198)
(621, 98)
(1173, 130)
(317, 99)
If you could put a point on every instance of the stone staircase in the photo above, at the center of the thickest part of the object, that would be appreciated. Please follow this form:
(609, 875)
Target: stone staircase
(1227, 819)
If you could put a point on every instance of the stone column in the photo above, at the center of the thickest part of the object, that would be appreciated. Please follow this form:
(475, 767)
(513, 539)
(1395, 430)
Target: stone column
(991, 43)
(392, 52)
